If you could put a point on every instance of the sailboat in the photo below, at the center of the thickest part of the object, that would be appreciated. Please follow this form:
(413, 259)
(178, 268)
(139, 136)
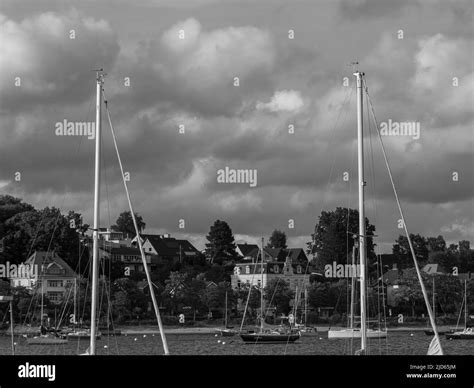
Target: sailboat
(265, 334)
(92, 334)
(435, 345)
(467, 333)
(430, 331)
(352, 331)
(303, 327)
(46, 337)
(226, 331)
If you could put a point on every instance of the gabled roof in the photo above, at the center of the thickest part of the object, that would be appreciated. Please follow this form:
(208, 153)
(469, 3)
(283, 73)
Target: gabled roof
(246, 249)
(47, 260)
(169, 246)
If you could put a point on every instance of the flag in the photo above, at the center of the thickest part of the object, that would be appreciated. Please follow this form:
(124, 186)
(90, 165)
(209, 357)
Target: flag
(435, 348)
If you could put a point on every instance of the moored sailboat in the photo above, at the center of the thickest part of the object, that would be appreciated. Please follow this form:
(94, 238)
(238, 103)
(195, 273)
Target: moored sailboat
(265, 335)
(467, 333)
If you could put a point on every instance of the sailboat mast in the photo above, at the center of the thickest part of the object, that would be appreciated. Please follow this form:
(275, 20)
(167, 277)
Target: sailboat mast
(305, 306)
(225, 323)
(362, 247)
(261, 291)
(75, 302)
(465, 304)
(353, 285)
(434, 301)
(95, 249)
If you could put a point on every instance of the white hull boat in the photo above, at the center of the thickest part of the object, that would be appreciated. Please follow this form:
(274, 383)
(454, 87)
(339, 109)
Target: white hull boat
(356, 333)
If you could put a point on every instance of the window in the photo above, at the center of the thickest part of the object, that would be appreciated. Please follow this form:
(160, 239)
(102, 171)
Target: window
(54, 296)
(239, 284)
(276, 269)
(259, 283)
(298, 269)
(55, 283)
(149, 249)
(247, 269)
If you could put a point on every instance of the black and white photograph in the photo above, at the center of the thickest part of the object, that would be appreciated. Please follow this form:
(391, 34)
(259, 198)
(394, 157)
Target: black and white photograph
(220, 186)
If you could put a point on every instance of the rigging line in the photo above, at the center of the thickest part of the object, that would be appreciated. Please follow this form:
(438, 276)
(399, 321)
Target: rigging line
(152, 293)
(417, 268)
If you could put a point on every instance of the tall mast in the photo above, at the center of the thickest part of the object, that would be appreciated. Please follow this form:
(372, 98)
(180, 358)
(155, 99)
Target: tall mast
(225, 323)
(75, 302)
(434, 301)
(95, 249)
(353, 285)
(305, 306)
(42, 294)
(362, 247)
(465, 304)
(261, 292)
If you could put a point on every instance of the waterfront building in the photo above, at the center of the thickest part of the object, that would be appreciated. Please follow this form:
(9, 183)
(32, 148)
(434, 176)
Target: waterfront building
(54, 276)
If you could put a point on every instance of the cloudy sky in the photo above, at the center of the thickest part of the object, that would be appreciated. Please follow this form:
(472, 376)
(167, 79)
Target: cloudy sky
(418, 60)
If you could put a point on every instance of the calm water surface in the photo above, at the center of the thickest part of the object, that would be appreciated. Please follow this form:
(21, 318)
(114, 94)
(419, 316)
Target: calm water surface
(397, 343)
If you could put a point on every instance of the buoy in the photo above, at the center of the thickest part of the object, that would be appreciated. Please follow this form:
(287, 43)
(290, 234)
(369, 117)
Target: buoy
(218, 341)
(135, 339)
(144, 335)
(223, 343)
(14, 343)
(411, 335)
(105, 346)
(215, 335)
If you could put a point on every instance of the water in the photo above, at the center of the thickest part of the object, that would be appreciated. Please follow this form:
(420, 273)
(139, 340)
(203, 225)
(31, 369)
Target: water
(397, 343)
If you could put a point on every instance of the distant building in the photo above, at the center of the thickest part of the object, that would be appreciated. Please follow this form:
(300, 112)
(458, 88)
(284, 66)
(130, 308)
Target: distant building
(290, 265)
(129, 256)
(167, 248)
(54, 276)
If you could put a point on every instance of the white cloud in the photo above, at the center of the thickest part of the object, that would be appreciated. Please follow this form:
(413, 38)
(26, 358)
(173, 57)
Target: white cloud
(284, 100)
(40, 51)
(208, 58)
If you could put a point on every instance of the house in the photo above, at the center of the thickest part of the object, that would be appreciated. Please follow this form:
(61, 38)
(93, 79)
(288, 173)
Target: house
(129, 256)
(290, 265)
(54, 277)
(167, 248)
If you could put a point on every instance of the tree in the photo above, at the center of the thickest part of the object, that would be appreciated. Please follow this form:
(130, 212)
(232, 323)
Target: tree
(277, 240)
(252, 294)
(125, 225)
(214, 297)
(401, 250)
(75, 221)
(193, 292)
(278, 294)
(221, 246)
(45, 230)
(436, 244)
(409, 290)
(449, 293)
(10, 206)
(174, 293)
(333, 237)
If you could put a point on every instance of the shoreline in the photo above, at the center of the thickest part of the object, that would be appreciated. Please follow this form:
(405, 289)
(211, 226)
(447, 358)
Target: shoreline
(153, 330)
